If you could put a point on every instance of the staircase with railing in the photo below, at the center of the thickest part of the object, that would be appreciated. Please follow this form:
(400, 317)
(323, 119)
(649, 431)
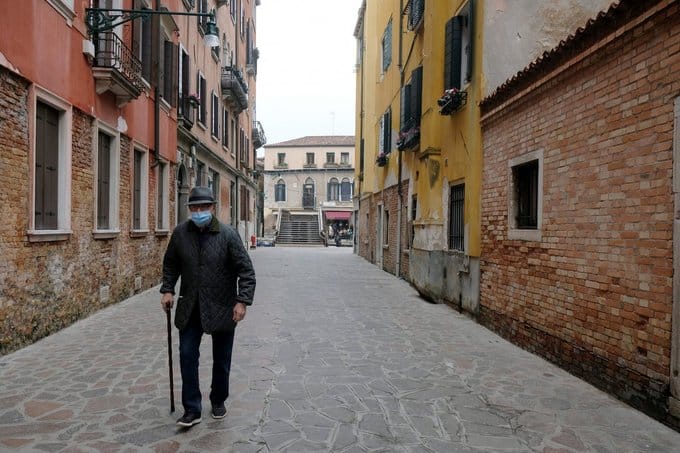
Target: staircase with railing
(299, 229)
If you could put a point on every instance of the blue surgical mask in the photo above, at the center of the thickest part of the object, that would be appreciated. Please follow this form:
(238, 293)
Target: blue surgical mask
(201, 218)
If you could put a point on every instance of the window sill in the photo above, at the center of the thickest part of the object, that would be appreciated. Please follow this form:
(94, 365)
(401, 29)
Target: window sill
(215, 138)
(525, 235)
(105, 234)
(201, 125)
(161, 233)
(63, 9)
(48, 235)
(139, 233)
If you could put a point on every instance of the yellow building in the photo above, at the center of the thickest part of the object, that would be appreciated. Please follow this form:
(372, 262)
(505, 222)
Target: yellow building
(422, 69)
(419, 166)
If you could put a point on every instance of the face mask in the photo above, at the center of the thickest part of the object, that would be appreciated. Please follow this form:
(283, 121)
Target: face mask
(201, 218)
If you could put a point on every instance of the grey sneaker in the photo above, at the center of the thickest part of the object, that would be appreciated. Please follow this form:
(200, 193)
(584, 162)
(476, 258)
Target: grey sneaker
(219, 411)
(189, 419)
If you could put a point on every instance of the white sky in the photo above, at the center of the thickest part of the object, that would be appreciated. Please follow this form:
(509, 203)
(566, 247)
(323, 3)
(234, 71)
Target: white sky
(305, 74)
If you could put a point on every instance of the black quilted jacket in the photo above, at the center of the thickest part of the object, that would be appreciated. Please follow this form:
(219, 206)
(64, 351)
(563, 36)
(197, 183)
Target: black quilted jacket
(216, 273)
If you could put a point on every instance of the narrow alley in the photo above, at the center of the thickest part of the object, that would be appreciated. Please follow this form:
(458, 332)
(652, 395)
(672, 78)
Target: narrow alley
(335, 355)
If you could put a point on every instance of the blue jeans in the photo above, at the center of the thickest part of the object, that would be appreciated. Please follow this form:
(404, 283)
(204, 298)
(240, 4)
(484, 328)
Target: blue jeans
(189, 344)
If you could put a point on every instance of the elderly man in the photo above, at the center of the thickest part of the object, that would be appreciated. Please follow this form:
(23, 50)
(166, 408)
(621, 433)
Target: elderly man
(218, 282)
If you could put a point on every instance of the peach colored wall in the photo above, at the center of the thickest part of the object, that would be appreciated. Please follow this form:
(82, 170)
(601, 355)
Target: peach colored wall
(39, 44)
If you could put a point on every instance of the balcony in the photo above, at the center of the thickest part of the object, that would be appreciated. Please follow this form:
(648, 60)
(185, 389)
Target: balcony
(234, 89)
(259, 139)
(409, 136)
(186, 111)
(116, 69)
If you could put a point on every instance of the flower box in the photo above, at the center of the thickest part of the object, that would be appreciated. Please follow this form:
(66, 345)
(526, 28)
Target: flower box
(452, 101)
(381, 160)
(408, 139)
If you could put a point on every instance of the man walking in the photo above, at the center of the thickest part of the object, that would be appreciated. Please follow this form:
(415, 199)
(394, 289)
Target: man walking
(218, 282)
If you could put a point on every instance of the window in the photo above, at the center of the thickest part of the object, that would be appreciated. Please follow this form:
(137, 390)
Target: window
(458, 50)
(310, 158)
(202, 8)
(52, 168)
(232, 205)
(414, 212)
(202, 94)
(225, 127)
(200, 174)
(411, 108)
(141, 41)
(281, 159)
(525, 179)
(106, 162)
(170, 69)
(457, 217)
(215, 130)
(385, 138)
(162, 208)
(333, 190)
(183, 71)
(280, 191)
(345, 190)
(245, 203)
(330, 158)
(387, 46)
(416, 9)
(214, 186)
(140, 184)
(233, 138)
(232, 10)
(344, 158)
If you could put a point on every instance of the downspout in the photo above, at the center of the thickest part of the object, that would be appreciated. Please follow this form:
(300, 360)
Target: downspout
(399, 159)
(156, 43)
(237, 192)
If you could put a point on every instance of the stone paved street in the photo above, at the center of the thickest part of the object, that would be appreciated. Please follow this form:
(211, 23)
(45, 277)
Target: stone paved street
(335, 356)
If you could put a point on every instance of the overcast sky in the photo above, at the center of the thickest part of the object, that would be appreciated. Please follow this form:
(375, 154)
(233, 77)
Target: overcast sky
(305, 74)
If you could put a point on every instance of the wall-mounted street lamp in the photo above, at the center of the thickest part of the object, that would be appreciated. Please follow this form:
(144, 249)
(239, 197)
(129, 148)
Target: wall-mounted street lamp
(104, 19)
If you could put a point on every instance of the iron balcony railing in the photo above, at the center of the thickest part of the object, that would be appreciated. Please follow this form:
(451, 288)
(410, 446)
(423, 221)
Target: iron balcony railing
(259, 138)
(416, 9)
(111, 52)
(234, 88)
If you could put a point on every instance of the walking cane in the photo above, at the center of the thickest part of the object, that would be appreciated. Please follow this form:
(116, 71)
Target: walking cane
(172, 385)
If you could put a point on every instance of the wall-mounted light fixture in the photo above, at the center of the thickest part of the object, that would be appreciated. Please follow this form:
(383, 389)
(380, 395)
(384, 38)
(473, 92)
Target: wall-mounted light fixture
(103, 19)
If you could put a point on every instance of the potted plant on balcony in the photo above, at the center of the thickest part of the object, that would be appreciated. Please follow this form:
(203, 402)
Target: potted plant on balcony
(451, 101)
(381, 160)
(408, 138)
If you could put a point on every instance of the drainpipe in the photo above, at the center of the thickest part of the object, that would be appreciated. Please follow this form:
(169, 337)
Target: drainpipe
(399, 159)
(156, 49)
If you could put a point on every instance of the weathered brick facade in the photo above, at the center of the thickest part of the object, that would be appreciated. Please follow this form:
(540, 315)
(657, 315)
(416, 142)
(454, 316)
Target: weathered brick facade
(594, 294)
(367, 230)
(45, 286)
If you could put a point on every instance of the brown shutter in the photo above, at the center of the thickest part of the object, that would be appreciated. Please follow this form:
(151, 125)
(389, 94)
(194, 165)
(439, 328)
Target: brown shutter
(47, 167)
(103, 180)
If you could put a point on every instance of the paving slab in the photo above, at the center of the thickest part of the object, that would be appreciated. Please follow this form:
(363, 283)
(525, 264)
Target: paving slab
(334, 356)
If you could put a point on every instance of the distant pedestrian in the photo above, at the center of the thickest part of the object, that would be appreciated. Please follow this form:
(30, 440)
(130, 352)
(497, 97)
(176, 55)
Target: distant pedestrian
(218, 282)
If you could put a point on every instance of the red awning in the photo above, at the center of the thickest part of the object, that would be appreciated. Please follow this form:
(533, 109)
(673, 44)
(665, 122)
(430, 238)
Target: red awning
(338, 215)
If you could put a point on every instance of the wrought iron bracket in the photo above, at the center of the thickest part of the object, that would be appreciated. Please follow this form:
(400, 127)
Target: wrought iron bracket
(104, 19)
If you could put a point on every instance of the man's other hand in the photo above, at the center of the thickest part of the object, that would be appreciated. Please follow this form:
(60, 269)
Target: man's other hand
(239, 311)
(167, 300)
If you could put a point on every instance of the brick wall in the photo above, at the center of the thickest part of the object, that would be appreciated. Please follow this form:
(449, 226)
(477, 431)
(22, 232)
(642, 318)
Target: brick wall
(389, 198)
(595, 293)
(45, 286)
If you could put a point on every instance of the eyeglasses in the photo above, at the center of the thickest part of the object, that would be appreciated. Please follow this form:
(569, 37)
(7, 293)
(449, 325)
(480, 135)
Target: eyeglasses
(199, 207)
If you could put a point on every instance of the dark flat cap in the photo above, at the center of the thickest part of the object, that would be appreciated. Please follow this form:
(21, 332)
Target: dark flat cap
(200, 195)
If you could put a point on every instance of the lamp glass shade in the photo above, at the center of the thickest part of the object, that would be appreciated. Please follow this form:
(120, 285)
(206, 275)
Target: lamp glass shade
(211, 40)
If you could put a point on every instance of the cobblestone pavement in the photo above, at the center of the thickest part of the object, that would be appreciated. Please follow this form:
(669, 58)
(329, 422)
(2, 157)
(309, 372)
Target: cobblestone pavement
(335, 356)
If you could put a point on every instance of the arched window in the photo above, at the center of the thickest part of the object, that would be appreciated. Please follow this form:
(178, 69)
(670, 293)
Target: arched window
(345, 190)
(280, 191)
(333, 190)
